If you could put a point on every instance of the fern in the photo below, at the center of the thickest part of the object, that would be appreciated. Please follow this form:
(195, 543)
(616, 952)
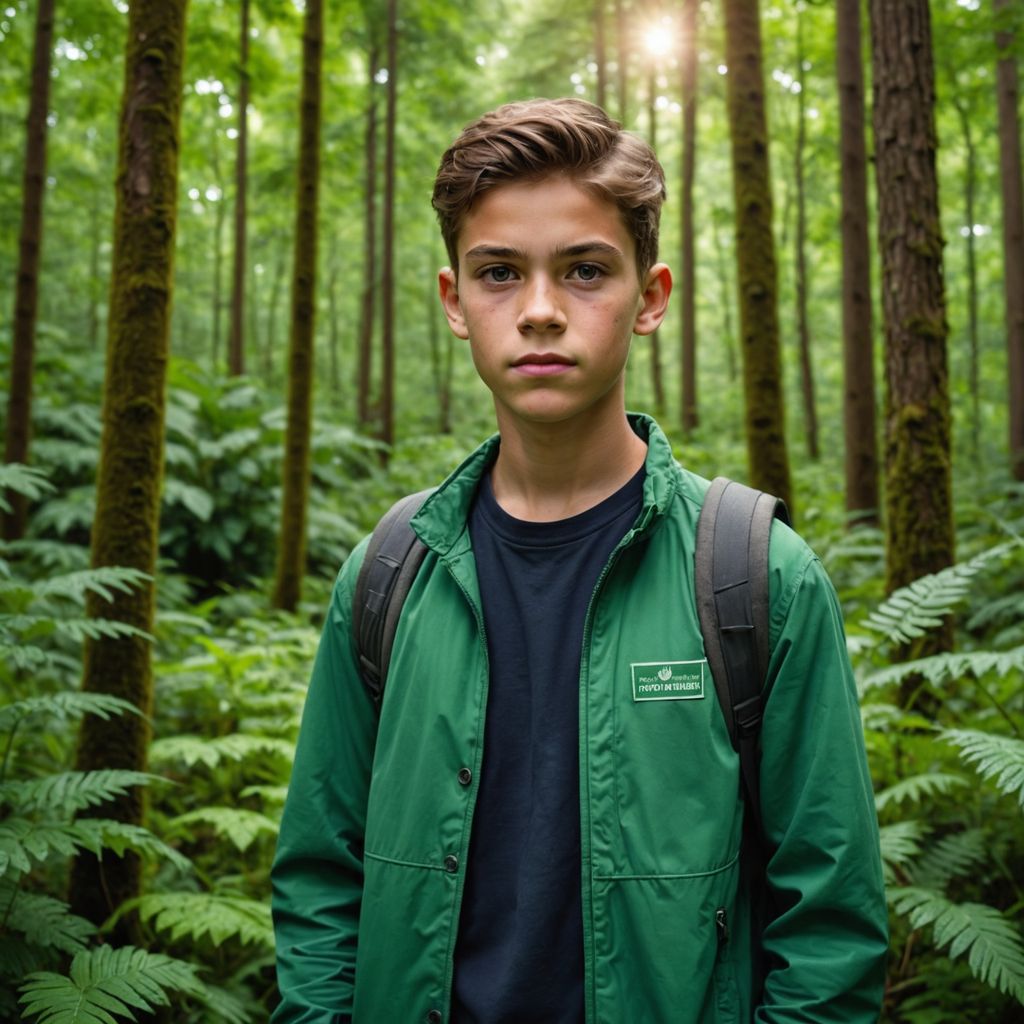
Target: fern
(995, 952)
(69, 792)
(105, 983)
(26, 480)
(236, 824)
(999, 758)
(941, 668)
(193, 750)
(900, 844)
(912, 611)
(44, 921)
(916, 787)
(952, 856)
(198, 915)
(103, 581)
(64, 707)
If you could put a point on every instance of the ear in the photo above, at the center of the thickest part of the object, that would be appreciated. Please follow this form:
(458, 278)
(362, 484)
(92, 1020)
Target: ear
(448, 288)
(654, 300)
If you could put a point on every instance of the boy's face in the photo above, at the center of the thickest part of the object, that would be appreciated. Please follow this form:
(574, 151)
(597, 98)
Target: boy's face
(547, 295)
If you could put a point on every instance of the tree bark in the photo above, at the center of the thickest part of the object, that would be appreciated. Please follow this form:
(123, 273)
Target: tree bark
(622, 62)
(803, 325)
(126, 525)
(236, 344)
(1013, 232)
(755, 252)
(291, 557)
(657, 381)
(387, 390)
(364, 374)
(26, 293)
(917, 434)
(859, 413)
(689, 418)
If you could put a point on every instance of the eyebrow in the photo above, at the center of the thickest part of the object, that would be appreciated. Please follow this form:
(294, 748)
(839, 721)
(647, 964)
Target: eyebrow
(506, 252)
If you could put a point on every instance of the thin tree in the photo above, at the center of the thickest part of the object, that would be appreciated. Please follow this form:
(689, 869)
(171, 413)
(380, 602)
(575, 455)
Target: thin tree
(600, 53)
(30, 243)
(757, 275)
(657, 381)
(919, 524)
(859, 413)
(800, 250)
(622, 59)
(364, 362)
(291, 551)
(236, 341)
(1013, 229)
(688, 282)
(126, 523)
(387, 389)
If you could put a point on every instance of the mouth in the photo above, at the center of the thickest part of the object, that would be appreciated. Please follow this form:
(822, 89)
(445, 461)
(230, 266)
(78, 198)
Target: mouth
(542, 364)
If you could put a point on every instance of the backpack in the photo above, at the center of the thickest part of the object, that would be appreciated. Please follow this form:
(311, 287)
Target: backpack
(731, 582)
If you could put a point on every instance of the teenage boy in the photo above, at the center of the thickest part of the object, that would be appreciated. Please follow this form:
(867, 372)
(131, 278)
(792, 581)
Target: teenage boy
(514, 836)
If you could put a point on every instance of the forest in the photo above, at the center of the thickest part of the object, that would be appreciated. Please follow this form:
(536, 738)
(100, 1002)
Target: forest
(223, 358)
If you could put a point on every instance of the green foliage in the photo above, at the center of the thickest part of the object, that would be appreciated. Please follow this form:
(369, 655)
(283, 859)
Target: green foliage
(999, 758)
(199, 916)
(105, 984)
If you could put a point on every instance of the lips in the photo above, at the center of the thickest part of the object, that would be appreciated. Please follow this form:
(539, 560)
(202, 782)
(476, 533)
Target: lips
(542, 364)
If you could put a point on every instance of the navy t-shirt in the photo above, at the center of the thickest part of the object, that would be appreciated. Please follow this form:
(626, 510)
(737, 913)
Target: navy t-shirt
(519, 954)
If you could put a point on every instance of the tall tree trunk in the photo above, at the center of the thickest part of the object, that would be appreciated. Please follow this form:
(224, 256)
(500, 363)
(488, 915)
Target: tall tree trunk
(600, 54)
(755, 252)
(803, 326)
(334, 328)
(387, 388)
(236, 345)
(622, 61)
(126, 524)
(218, 276)
(95, 288)
(657, 382)
(970, 185)
(440, 364)
(291, 549)
(270, 348)
(917, 437)
(1013, 231)
(688, 396)
(364, 374)
(26, 293)
(859, 428)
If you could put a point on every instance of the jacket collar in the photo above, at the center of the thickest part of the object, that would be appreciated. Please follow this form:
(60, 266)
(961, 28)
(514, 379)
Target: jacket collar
(441, 520)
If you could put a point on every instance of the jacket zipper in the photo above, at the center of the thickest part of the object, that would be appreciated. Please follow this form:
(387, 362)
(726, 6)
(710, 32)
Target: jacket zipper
(589, 993)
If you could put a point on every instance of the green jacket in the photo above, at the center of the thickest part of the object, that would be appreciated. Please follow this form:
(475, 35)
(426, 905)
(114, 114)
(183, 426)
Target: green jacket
(368, 875)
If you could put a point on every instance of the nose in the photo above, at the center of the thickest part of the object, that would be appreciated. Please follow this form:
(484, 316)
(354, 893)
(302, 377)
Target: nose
(541, 308)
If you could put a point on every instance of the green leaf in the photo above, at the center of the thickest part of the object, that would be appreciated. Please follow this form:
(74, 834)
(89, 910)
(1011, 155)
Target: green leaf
(44, 921)
(68, 792)
(103, 581)
(237, 824)
(26, 480)
(198, 914)
(995, 952)
(65, 706)
(901, 843)
(917, 787)
(941, 668)
(193, 750)
(105, 984)
(995, 757)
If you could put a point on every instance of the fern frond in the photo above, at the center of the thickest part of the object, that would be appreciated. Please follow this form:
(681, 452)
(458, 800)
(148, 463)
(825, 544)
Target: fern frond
(68, 792)
(900, 844)
(44, 921)
(889, 718)
(23, 841)
(952, 856)
(81, 629)
(1005, 607)
(225, 1006)
(912, 611)
(268, 794)
(995, 757)
(105, 982)
(193, 750)
(940, 668)
(65, 706)
(102, 581)
(917, 787)
(995, 952)
(199, 914)
(26, 480)
(236, 824)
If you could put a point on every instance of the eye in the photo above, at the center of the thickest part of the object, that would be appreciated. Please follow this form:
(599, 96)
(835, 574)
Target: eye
(587, 272)
(498, 274)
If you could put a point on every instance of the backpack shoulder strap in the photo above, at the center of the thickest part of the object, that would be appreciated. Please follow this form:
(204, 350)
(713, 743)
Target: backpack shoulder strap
(731, 572)
(393, 557)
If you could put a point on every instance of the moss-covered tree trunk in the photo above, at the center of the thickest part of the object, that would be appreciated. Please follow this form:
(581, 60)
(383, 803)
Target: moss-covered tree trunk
(1013, 228)
(917, 428)
(125, 528)
(291, 549)
(755, 252)
(236, 338)
(364, 362)
(859, 412)
(387, 287)
(26, 291)
(688, 281)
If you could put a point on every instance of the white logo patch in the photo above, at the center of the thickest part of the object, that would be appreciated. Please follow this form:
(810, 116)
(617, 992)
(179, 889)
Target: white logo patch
(668, 680)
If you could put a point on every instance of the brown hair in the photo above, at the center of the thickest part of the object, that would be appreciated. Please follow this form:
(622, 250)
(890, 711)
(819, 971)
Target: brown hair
(535, 138)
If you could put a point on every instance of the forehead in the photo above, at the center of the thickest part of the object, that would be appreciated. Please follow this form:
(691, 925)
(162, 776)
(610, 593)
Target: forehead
(538, 217)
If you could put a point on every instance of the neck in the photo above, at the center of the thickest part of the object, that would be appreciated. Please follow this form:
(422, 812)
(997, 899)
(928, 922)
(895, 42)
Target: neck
(551, 471)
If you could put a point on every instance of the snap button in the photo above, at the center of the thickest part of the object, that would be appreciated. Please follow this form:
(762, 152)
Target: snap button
(465, 776)
(434, 1017)
(451, 865)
